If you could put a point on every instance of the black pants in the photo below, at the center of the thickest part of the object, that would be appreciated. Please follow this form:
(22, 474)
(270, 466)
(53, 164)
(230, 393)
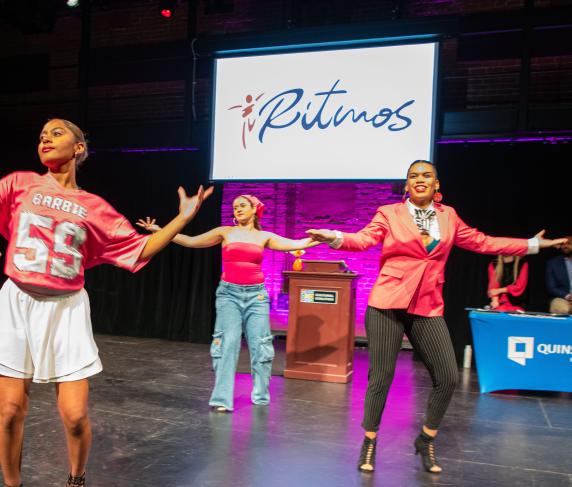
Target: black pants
(430, 338)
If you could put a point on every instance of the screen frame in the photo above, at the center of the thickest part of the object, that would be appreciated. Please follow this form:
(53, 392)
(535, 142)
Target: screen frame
(321, 47)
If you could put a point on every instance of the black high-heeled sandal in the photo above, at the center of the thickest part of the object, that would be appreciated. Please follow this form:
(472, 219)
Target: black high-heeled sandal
(366, 462)
(77, 481)
(424, 445)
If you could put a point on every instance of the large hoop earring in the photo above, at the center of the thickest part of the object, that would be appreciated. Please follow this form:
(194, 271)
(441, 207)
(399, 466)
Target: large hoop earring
(234, 221)
(405, 195)
(437, 196)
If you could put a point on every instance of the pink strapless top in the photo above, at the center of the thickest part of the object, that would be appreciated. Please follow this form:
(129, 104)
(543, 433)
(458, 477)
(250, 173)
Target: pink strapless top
(242, 263)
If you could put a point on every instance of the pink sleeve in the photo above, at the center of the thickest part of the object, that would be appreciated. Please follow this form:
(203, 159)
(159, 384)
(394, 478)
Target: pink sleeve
(470, 238)
(493, 283)
(118, 244)
(6, 185)
(373, 233)
(519, 286)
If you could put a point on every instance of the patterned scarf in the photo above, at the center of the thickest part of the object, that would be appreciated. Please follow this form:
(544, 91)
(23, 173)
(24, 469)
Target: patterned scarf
(423, 220)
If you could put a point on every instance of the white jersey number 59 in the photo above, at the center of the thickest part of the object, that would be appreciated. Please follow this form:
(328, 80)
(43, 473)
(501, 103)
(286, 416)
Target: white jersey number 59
(39, 263)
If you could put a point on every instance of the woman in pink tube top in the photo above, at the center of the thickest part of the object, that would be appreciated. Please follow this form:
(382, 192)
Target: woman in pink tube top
(242, 303)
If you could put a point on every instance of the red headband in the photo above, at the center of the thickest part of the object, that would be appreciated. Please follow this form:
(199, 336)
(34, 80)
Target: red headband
(256, 203)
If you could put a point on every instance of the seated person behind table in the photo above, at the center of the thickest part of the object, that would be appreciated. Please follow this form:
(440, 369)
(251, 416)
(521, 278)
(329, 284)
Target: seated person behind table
(508, 277)
(559, 280)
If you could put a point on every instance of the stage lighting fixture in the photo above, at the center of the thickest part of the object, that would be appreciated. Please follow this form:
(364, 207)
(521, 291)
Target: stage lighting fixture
(167, 7)
(72, 3)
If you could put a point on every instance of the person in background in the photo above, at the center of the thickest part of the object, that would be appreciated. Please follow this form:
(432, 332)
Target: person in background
(559, 280)
(508, 278)
(242, 303)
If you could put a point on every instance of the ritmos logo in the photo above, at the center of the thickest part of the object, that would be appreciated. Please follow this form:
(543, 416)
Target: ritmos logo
(322, 110)
(520, 349)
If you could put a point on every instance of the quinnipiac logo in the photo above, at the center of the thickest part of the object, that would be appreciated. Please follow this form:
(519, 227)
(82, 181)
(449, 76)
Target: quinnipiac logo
(520, 349)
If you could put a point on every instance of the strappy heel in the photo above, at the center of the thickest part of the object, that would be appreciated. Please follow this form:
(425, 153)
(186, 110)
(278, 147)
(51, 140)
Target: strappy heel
(76, 481)
(366, 461)
(424, 445)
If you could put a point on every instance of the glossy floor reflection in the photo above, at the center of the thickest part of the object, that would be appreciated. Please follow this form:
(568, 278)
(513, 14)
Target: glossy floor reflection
(152, 427)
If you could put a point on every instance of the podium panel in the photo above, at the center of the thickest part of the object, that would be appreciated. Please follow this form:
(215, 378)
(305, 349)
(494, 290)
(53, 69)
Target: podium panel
(320, 340)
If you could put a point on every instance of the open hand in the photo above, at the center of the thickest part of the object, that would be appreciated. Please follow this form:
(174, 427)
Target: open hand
(148, 224)
(321, 235)
(545, 243)
(189, 206)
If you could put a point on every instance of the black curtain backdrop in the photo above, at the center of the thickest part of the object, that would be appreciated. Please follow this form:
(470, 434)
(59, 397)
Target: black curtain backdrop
(502, 189)
(512, 190)
(173, 296)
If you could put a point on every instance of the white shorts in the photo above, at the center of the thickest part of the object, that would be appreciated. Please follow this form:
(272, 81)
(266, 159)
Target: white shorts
(47, 338)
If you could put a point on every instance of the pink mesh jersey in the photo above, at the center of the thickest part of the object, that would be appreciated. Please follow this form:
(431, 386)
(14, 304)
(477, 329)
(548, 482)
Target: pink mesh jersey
(55, 233)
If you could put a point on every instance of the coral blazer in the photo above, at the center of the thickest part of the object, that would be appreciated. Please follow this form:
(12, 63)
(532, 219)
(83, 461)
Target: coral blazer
(411, 278)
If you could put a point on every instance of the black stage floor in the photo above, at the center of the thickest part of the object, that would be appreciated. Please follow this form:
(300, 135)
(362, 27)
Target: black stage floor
(152, 427)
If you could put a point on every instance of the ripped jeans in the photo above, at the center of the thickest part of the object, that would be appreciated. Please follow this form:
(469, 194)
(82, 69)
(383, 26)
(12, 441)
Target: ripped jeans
(241, 308)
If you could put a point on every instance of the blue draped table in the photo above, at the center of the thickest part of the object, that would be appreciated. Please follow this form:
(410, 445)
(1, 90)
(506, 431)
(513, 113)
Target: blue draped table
(522, 351)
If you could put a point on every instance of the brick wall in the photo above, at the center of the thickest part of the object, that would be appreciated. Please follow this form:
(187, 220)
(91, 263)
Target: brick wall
(61, 94)
(137, 23)
(292, 208)
(467, 85)
(424, 8)
(246, 16)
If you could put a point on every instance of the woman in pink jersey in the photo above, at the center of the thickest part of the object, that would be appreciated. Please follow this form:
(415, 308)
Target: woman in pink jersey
(55, 231)
(241, 298)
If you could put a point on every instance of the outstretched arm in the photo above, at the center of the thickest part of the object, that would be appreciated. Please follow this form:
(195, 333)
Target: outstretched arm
(188, 208)
(322, 235)
(546, 243)
(276, 242)
(472, 239)
(208, 239)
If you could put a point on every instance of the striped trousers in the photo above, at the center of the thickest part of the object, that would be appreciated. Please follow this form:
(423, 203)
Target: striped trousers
(430, 338)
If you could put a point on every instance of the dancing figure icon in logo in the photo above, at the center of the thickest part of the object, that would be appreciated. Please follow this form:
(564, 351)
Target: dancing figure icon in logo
(247, 110)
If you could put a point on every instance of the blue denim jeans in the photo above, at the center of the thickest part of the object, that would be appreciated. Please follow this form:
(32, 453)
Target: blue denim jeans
(241, 309)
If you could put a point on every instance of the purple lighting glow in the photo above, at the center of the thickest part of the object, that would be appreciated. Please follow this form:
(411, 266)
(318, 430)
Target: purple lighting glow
(158, 149)
(292, 208)
(552, 139)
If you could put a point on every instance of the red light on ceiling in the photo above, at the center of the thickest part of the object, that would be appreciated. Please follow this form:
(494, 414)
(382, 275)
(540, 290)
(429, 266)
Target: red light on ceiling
(167, 13)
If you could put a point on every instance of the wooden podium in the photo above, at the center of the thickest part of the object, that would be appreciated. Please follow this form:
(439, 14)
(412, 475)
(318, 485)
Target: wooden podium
(320, 341)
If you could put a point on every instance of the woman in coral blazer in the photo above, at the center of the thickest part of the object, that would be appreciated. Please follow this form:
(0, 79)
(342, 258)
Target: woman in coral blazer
(407, 297)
